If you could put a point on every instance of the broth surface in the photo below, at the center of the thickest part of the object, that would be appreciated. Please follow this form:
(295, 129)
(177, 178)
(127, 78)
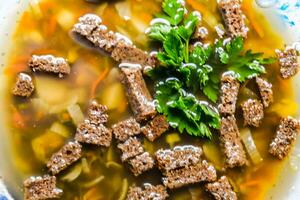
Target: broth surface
(45, 29)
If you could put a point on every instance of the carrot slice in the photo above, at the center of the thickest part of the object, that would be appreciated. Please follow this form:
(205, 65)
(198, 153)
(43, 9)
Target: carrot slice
(97, 82)
(250, 13)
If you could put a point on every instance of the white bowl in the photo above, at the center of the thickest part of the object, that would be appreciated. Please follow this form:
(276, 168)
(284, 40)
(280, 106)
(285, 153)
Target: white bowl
(284, 17)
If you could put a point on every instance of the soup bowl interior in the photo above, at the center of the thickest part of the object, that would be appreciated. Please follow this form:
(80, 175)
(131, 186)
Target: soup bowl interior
(288, 184)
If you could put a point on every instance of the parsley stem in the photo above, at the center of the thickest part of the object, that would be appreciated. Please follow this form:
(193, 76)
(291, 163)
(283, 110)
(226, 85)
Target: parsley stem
(186, 57)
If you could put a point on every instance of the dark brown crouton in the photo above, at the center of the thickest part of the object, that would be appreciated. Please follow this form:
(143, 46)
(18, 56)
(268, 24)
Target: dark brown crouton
(96, 113)
(253, 112)
(103, 38)
(93, 134)
(24, 85)
(149, 192)
(128, 53)
(288, 62)
(180, 156)
(221, 189)
(141, 163)
(87, 24)
(125, 129)
(137, 93)
(233, 17)
(131, 148)
(49, 63)
(201, 172)
(266, 92)
(90, 27)
(154, 128)
(231, 142)
(285, 137)
(229, 92)
(66, 156)
(41, 187)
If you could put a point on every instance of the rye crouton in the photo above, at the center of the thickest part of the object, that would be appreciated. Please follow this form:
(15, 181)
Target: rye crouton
(201, 172)
(103, 39)
(228, 95)
(41, 187)
(179, 157)
(156, 127)
(125, 129)
(285, 137)
(93, 134)
(49, 64)
(24, 86)
(66, 156)
(265, 90)
(231, 142)
(288, 62)
(127, 53)
(137, 93)
(130, 148)
(253, 112)
(87, 24)
(141, 163)
(97, 113)
(221, 189)
(233, 17)
(148, 192)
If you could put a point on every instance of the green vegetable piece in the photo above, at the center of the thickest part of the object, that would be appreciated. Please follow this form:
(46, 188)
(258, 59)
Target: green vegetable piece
(184, 111)
(174, 10)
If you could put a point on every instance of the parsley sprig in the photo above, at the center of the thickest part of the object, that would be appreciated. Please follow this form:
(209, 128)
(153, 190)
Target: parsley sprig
(184, 111)
(195, 68)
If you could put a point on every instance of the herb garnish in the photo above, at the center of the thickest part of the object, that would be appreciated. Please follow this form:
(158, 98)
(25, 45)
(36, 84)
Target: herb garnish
(194, 68)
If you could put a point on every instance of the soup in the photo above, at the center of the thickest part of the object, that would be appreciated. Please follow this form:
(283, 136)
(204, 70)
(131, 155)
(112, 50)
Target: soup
(41, 125)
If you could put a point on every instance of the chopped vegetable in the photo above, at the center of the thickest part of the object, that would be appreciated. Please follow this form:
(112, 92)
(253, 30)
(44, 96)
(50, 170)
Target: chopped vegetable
(124, 189)
(149, 146)
(73, 173)
(112, 164)
(250, 146)
(93, 194)
(75, 113)
(85, 166)
(40, 105)
(65, 19)
(213, 154)
(102, 8)
(60, 129)
(45, 145)
(110, 154)
(184, 111)
(172, 139)
(98, 81)
(123, 9)
(109, 97)
(93, 182)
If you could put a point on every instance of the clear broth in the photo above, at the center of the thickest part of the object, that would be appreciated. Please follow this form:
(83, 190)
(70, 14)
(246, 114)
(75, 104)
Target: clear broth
(44, 29)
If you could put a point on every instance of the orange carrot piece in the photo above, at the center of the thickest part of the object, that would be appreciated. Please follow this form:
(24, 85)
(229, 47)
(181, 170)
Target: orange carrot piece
(97, 82)
(250, 13)
(18, 120)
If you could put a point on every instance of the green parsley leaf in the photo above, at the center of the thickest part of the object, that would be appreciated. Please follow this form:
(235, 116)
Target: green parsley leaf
(174, 10)
(189, 26)
(184, 111)
(244, 65)
(159, 31)
(173, 50)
